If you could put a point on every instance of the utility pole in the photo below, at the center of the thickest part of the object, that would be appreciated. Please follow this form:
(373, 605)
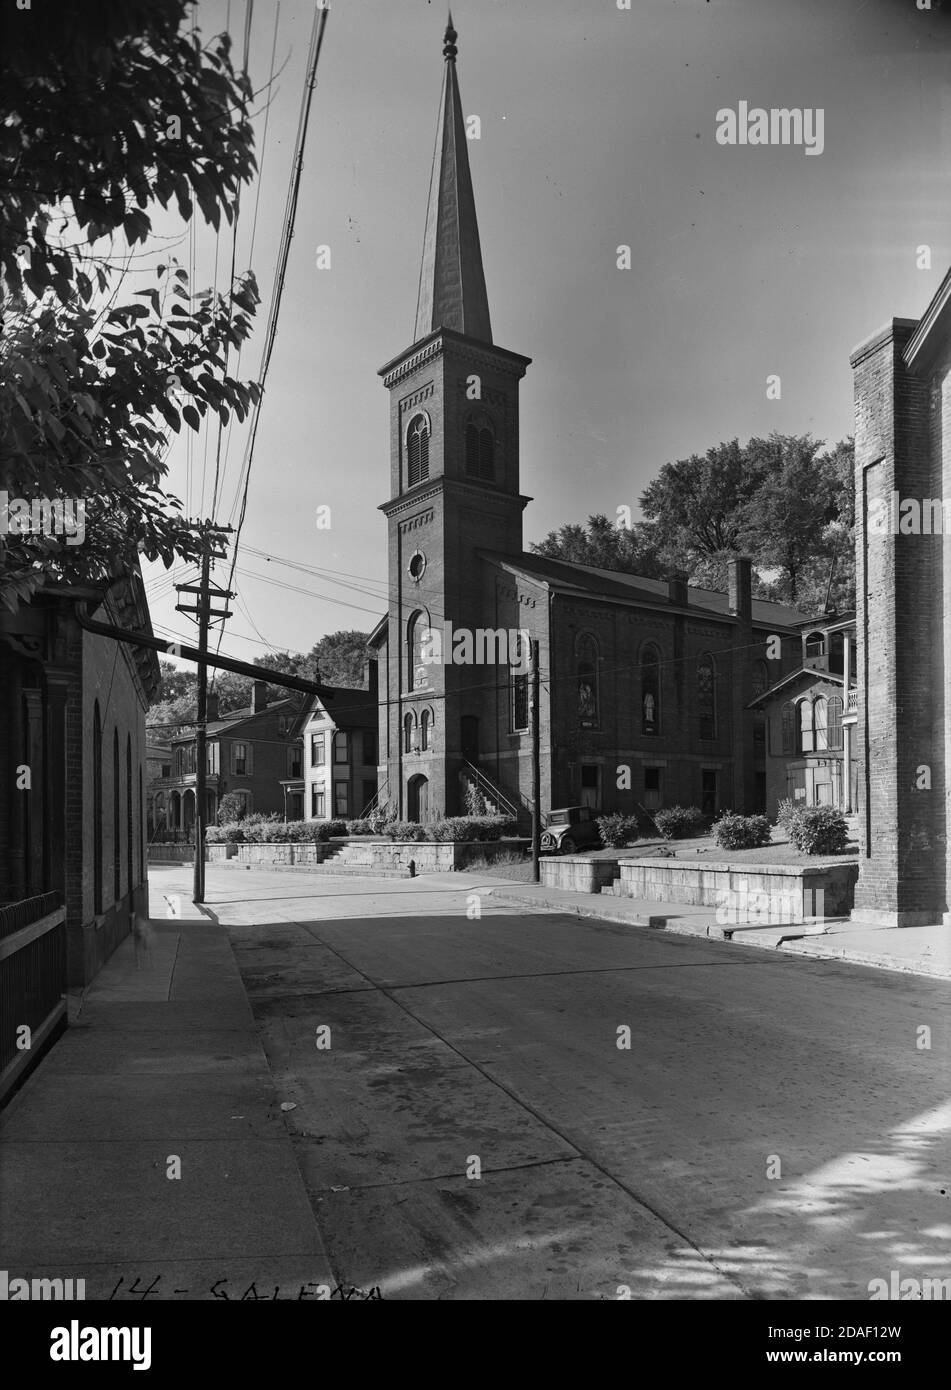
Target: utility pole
(536, 765)
(205, 614)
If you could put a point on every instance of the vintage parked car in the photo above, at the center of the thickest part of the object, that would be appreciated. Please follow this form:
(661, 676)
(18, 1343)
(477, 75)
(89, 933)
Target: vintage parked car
(569, 829)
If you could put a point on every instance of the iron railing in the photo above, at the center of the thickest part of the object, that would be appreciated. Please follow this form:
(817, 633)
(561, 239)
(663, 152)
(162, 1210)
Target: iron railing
(519, 810)
(32, 983)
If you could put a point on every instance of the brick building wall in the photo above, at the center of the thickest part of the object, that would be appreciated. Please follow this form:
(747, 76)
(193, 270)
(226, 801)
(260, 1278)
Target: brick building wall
(902, 633)
(48, 704)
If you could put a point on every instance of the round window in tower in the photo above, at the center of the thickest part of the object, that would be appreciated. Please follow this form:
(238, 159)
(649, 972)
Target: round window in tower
(417, 565)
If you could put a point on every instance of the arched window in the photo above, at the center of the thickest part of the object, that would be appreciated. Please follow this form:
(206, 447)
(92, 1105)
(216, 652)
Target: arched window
(480, 450)
(815, 644)
(408, 722)
(128, 811)
(820, 723)
(835, 723)
(806, 743)
(421, 650)
(425, 724)
(586, 653)
(707, 697)
(97, 808)
(650, 690)
(116, 847)
(789, 729)
(417, 450)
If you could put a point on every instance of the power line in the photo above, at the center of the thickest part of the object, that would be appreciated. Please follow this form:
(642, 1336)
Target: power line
(254, 220)
(316, 43)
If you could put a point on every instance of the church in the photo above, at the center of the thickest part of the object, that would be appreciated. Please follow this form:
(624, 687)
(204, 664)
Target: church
(645, 685)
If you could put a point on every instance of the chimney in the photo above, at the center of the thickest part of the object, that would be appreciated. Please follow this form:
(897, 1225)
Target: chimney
(677, 587)
(739, 586)
(211, 706)
(259, 697)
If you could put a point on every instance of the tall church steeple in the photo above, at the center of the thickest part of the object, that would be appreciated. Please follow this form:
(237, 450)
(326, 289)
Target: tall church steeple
(451, 281)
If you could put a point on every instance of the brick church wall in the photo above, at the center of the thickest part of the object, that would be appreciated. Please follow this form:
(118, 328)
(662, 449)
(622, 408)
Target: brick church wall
(901, 633)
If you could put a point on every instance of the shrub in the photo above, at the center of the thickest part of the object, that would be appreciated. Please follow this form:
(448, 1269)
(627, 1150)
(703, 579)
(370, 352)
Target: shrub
(335, 827)
(451, 829)
(742, 832)
(361, 827)
(617, 829)
(404, 830)
(232, 833)
(297, 832)
(259, 818)
(680, 822)
(819, 830)
(230, 809)
(475, 801)
(786, 812)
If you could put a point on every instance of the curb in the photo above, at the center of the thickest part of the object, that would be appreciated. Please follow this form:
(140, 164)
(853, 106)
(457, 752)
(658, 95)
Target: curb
(630, 919)
(709, 931)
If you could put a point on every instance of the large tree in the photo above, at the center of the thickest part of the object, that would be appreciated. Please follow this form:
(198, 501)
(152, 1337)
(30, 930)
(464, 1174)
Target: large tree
(337, 659)
(107, 109)
(695, 507)
(605, 545)
(786, 501)
(340, 657)
(800, 517)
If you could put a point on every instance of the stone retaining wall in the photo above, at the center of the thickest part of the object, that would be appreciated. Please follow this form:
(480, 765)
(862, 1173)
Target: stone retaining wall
(753, 888)
(352, 854)
(576, 874)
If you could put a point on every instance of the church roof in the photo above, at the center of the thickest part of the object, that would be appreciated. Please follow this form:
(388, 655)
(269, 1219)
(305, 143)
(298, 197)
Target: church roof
(451, 281)
(614, 585)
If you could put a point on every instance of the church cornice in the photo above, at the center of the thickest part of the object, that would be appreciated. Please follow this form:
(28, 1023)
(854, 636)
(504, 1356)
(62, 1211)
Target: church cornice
(485, 355)
(411, 501)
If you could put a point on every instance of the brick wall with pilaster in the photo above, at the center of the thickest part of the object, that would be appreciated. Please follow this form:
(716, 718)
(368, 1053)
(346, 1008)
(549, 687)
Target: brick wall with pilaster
(899, 596)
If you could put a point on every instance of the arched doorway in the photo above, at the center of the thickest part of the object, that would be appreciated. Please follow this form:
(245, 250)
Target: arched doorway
(418, 799)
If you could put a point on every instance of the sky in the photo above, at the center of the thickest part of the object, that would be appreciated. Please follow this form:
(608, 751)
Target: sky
(598, 129)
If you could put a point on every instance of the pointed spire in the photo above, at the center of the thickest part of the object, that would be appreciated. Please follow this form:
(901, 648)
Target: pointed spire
(452, 282)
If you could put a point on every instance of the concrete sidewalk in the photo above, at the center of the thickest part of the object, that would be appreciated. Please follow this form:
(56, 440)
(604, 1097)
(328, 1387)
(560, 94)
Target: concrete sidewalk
(162, 1061)
(911, 950)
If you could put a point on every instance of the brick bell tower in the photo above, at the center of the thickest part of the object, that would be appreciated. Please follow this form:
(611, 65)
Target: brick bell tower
(454, 487)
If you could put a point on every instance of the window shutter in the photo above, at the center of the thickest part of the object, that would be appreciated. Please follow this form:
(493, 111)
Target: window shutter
(249, 765)
(234, 759)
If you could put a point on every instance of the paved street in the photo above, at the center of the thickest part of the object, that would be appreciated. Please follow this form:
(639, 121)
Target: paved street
(464, 1045)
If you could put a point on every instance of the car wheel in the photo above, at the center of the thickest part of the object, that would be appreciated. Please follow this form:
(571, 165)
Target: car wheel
(568, 845)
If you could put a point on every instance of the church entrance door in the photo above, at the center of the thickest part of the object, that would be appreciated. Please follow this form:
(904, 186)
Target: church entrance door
(590, 788)
(418, 797)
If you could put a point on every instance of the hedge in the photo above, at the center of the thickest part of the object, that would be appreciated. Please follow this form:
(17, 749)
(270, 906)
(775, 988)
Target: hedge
(618, 830)
(680, 822)
(452, 829)
(818, 830)
(742, 832)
